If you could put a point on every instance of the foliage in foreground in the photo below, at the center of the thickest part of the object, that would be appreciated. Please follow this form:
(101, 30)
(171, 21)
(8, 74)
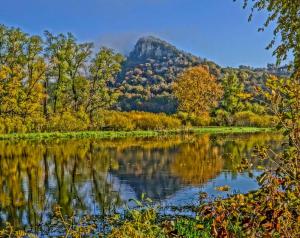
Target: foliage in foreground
(264, 213)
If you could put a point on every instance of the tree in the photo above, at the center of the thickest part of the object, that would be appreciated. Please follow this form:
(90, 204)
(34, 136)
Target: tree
(77, 56)
(233, 93)
(67, 60)
(103, 71)
(197, 91)
(33, 86)
(23, 70)
(284, 96)
(12, 58)
(57, 81)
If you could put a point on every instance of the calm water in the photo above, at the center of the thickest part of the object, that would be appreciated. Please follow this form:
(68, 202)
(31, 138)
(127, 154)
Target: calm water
(98, 176)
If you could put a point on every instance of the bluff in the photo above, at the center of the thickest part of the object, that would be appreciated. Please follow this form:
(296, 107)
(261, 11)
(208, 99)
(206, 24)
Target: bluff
(150, 70)
(148, 75)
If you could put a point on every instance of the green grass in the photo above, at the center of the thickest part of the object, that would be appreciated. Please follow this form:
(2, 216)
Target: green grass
(124, 134)
(225, 130)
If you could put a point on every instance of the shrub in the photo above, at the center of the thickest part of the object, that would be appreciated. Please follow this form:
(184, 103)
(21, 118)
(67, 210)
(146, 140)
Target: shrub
(68, 121)
(193, 120)
(203, 120)
(223, 118)
(12, 125)
(79, 121)
(150, 121)
(35, 123)
(113, 120)
(248, 118)
(140, 222)
(255, 108)
(116, 121)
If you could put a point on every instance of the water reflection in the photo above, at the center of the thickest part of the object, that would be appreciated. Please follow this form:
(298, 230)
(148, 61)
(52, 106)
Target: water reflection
(97, 176)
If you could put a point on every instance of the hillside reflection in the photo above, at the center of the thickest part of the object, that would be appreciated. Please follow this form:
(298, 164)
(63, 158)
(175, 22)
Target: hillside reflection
(97, 176)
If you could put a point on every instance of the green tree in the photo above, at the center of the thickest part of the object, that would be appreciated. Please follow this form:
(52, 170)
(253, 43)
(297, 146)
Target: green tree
(233, 93)
(77, 57)
(59, 53)
(284, 96)
(57, 84)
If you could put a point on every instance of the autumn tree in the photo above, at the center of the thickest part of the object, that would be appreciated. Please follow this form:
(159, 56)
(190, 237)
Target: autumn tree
(12, 65)
(53, 80)
(55, 54)
(33, 86)
(103, 71)
(197, 91)
(22, 73)
(77, 59)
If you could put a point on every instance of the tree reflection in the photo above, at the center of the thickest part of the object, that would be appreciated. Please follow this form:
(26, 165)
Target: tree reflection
(197, 161)
(95, 176)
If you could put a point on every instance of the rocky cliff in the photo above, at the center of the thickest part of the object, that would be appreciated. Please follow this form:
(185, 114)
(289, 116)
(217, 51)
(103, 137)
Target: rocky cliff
(148, 75)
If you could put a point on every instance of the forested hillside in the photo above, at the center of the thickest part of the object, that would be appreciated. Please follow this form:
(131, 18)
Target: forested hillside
(148, 74)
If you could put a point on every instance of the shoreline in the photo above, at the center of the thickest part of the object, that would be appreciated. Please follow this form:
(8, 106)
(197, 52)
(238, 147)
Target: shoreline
(125, 134)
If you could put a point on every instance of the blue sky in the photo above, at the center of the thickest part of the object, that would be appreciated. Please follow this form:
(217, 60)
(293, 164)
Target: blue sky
(214, 29)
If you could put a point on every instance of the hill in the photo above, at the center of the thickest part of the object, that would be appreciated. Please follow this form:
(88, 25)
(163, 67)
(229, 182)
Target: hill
(149, 71)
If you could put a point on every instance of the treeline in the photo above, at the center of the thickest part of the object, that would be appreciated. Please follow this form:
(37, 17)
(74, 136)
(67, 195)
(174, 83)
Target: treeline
(52, 82)
(55, 83)
(205, 100)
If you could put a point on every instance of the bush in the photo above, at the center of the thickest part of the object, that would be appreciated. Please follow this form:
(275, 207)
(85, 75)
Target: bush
(116, 121)
(12, 125)
(151, 121)
(35, 123)
(193, 120)
(248, 118)
(18, 124)
(140, 223)
(255, 108)
(113, 120)
(79, 121)
(223, 118)
(68, 121)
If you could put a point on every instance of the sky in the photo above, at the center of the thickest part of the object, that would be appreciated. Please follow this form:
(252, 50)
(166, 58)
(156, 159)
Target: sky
(217, 30)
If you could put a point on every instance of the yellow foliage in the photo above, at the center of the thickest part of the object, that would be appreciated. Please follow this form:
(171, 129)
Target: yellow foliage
(138, 121)
(248, 118)
(197, 91)
(68, 121)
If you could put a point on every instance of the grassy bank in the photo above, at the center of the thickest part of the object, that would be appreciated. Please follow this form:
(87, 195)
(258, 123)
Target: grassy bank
(124, 134)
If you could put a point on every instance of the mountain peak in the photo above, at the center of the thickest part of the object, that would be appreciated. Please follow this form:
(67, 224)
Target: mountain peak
(151, 47)
(154, 41)
(148, 75)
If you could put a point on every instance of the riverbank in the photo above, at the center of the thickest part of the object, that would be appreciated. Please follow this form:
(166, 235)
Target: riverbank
(124, 134)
